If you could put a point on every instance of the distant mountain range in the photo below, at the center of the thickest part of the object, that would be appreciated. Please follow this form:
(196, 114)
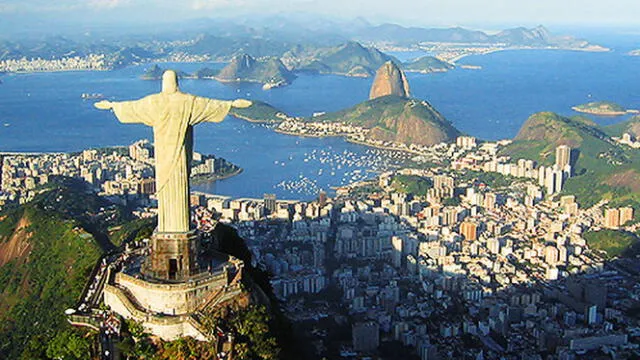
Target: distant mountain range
(350, 59)
(298, 45)
(534, 37)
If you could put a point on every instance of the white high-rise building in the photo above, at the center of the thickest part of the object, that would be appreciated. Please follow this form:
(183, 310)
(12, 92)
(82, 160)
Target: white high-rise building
(396, 252)
(541, 175)
(550, 180)
(563, 156)
(559, 178)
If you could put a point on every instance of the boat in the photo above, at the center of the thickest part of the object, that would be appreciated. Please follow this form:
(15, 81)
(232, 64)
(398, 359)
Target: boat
(88, 96)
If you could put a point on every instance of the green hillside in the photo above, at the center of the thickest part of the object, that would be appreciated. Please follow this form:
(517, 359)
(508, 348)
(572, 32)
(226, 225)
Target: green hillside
(631, 126)
(38, 286)
(392, 118)
(48, 248)
(412, 184)
(258, 112)
(614, 243)
(543, 132)
(602, 168)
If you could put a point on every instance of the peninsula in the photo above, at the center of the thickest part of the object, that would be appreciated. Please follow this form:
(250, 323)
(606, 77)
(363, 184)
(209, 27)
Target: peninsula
(389, 119)
(602, 108)
(259, 112)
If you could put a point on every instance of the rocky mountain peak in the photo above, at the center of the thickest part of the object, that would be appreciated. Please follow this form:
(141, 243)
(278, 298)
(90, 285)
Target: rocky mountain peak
(389, 80)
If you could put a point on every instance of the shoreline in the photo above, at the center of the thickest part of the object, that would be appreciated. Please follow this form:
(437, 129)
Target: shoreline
(604, 113)
(22, 72)
(290, 133)
(351, 140)
(255, 121)
(454, 60)
(382, 147)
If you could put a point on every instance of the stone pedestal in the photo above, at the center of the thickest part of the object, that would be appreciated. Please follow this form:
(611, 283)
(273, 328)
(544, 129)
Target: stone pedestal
(174, 256)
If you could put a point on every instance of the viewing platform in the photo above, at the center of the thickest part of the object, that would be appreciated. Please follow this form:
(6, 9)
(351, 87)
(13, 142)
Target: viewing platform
(166, 307)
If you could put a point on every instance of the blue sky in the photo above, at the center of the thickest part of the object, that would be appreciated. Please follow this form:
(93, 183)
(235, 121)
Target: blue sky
(409, 12)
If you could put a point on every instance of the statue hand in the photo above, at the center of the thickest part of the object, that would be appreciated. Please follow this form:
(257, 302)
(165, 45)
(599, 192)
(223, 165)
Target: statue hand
(103, 105)
(241, 103)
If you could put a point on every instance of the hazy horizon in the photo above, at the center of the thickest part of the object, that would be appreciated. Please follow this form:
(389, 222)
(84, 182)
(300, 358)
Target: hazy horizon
(34, 15)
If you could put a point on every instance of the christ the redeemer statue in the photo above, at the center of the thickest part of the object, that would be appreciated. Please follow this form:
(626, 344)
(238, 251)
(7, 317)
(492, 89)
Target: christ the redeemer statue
(172, 115)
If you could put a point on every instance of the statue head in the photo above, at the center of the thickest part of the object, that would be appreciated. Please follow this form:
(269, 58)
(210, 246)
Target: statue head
(169, 82)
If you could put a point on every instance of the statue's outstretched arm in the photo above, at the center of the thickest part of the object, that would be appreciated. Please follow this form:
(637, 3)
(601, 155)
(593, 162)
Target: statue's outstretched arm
(129, 112)
(209, 110)
(103, 105)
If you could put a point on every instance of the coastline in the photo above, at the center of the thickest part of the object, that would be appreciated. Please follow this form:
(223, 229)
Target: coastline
(265, 86)
(597, 49)
(255, 121)
(351, 140)
(604, 113)
(381, 147)
(22, 72)
(291, 133)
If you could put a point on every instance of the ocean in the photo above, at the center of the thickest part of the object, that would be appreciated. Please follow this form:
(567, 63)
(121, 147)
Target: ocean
(44, 112)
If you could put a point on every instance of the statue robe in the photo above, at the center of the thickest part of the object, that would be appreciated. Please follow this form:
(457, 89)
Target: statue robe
(172, 117)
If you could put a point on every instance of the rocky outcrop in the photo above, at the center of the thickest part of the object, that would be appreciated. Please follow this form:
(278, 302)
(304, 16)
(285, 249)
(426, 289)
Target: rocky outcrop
(389, 80)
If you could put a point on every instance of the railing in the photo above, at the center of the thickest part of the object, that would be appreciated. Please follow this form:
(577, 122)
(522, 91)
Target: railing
(148, 282)
(85, 320)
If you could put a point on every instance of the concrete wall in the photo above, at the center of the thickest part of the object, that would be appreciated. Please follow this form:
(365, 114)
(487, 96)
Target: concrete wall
(166, 327)
(170, 299)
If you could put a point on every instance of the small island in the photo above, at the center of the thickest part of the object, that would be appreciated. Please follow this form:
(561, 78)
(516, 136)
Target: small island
(603, 108)
(427, 64)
